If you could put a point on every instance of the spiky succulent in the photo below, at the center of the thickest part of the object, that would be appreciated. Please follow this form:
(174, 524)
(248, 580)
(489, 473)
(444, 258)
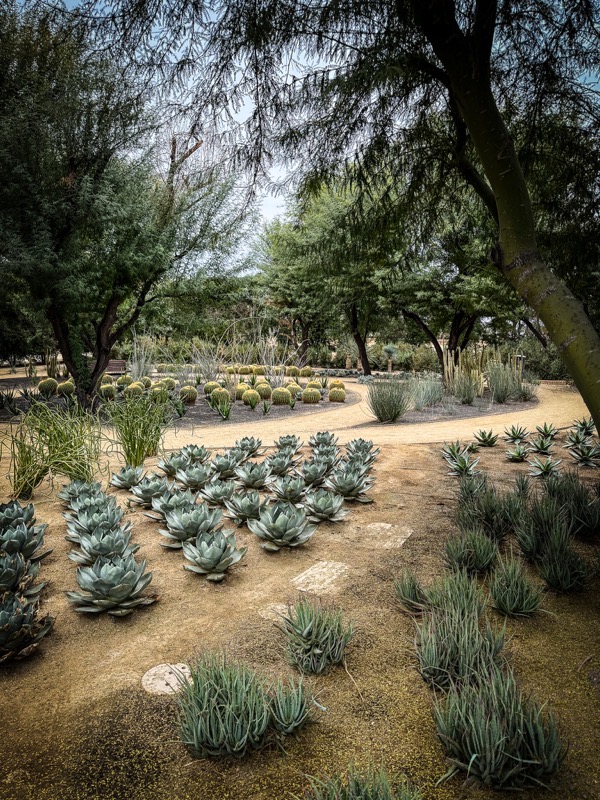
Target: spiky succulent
(288, 488)
(127, 477)
(196, 453)
(362, 446)
(280, 463)
(281, 525)
(150, 486)
(543, 469)
(486, 438)
(330, 453)
(217, 492)
(463, 466)
(17, 575)
(585, 426)
(21, 630)
(289, 442)
(90, 503)
(226, 465)
(114, 585)
(321, 505)
(515, 434)
(323, 438)
(547, 430)
(249, 445)
(349, 482)
(183, 526)
(314, 472)
(244, 506)
(542, 445)
(13, 512)
(253, 474)
(358, 461)
(172, 500)
(76, 488)
(103, 543)
(195, 476)
(175, 462)
(212, 554)
(88, 522)
(586, 455)
(27, 541)
(577, 438)
(518, 453)
(453, 450)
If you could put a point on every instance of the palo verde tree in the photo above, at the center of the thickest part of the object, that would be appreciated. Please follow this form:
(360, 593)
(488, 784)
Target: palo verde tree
(378, 79)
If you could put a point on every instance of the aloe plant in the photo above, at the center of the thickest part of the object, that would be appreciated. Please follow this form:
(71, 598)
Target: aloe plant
(183, 526)
(290, 442)
(253, 474)
(127, 477)
(314, 472)
(21, 630)
(114, 585)
(543, 469)
(323, 438)
(172, 500)
(288, 488)
(281, 525)
(511, 591)
(290, 706)
(321, 505)
(17, 575)
(195, 476)
(196, 453)
(212, 554)
(317, 635)
(453, 450)
(217, 492)
(225, 465)
(518, 454)
(244, 506)
(249, 445)
(462, 466)
(486, 438)
(27, 541)
(515, 434)
(349, 482)
(150, 486)
(75, 488)
(170, 466)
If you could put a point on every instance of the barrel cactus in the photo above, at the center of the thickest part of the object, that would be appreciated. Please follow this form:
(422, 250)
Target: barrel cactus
(259, 370)
(306, 372)
(106, 379)
(281, 397)
(264, 391)
(230, 370)
(65, 389)
(337, 395)
(245, 370)
(281, 525)
(169, 384)
(292, 372)
(124, 380)
(219, 394)
(311, 396)
(107, 391)
(212, 554)
(337, 384)
(133, 390)
(145, 381)
(47, 387)
(313, 385)
(188, 394)
(240, 389)
(251, 398)
(114, 585)
(210, 386)
(21, 630)
(293, 388)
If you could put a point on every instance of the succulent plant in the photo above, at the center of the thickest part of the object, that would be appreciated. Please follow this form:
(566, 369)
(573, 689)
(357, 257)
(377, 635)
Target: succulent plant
(17, 575)
(485, 438)
(306, 372)
(127, 477)
(314, 472)
(462, 466)
(288, 487)
(452, 450)
(518, 453)
(210, 387)
(47, 387)
(281, 396)
(281, 525)
(217, 492)
(321, 505)
(311, 396)
(18, 538)
(349, 482)
(124, 380)
(90, 503)
(104, 543)
(280, 462)
(249, 445)
(114, 585)
(188, 394)
(336, 395)
(363, 446)
(171, 465)
(543, 469)
(337, 383)
(172, 500)
(133, 390)
(89, 522)
(65, 389)
(547, 430)
(577, 438)
(585, 426)
(244, 506)
(264, 390)
(196, 453)
(253, 474)
(211, 554)
(541, 445)
(515, 434)
(150, 486)
(251, 398)
(360, 461)
(317, 635)
(323, 438)
(292, 372)
(182, 526)
(195, 476)
(226, 465)
(107, 391)
(21, 630)
(586, 455)
(13, 512)
(289, 442)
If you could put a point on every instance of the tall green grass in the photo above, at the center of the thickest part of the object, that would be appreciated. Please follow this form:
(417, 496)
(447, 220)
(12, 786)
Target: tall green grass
(389, 400)
(138, 424)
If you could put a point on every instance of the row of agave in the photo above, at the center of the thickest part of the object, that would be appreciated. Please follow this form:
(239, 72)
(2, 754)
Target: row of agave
(22, 628)
(578, 442)
(298, 495)
(108, 574)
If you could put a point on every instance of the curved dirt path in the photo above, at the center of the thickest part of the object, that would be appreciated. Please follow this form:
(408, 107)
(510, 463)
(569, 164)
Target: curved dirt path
(558, 404)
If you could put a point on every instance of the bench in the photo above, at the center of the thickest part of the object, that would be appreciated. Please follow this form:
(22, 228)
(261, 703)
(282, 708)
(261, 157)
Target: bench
(116, 367)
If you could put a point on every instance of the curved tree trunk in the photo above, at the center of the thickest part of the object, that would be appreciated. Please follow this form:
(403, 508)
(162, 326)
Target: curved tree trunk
(359, 339)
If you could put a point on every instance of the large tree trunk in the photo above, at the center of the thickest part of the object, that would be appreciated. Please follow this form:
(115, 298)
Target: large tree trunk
(359, 339)
(428, 332)
(466, 62)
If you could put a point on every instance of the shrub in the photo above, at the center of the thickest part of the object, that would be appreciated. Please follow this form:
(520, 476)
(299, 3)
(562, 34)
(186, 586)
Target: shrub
(281, 397)
(317, 635)
(337, 395)
(503, 382)
(47, 387)
(311, 396)
(188, 394)
(424, 359)
(389, 399)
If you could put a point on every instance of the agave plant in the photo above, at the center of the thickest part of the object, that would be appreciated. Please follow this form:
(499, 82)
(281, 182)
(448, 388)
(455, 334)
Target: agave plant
(515, 434)
(547, 430)
(196, 453)
(14, 512)
(357, 462)
(280, 463)
(217, 492)
(88, 522)
(542, 445)
(281, 525)
(577, 438)
(314, 472)
(151, 486)
(518, 453)
(290, 442)
(453, 450)
(104, 543)
(349, 482)
(90, 503)
(17, 575)
(326, 452)
(212, 554)
(321, 505)
(249, 445)
(21, 631)
(585, 426)
(485, 438)
(288, 488)
(253, 474)
(462, 466)
(172, 500)
(114, 585)
(323, 438)
(183, 526)
(543, 469)
(75, 488)
(362, 446)
(195, 476)
(244, 506)
(127, 477)
(27, 541)
(226, 465)
(586, 455)
(170, 466)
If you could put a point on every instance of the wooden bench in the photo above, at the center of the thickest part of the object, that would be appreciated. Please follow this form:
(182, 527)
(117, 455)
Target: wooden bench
(117, 367)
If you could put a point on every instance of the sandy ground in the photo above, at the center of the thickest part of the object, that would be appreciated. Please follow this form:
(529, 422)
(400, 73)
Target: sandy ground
(77, 726)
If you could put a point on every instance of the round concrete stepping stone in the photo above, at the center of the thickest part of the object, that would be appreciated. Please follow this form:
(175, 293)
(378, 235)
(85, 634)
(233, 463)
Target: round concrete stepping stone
(164, 678)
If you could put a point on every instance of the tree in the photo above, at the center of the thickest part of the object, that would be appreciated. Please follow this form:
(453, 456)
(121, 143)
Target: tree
(374, 77)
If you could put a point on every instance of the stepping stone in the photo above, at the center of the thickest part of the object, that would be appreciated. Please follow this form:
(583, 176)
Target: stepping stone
(273, 611)
(320, 577)
(384, 535)
(163, 678)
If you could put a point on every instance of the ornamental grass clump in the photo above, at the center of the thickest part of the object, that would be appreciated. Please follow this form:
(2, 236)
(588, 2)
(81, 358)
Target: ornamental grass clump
(471, 551)
(389, 400)
(317, 635)
(373, 784)
(138, 424)
(511, 591)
